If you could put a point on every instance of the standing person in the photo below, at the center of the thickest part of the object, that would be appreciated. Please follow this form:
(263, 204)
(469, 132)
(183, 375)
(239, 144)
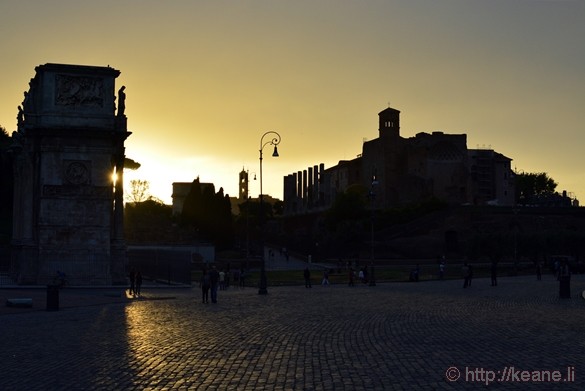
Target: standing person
(494, 273)
(361, 275)
(243, 278)
(470, 274)
(465, 273)
(205, 284)
(442, 270)
(351, 276)
(307, 276)
(132, 277)
(538, 271)
(221, 280)
(138, 283)
(325, 281)
(564, 277)
(214, 278)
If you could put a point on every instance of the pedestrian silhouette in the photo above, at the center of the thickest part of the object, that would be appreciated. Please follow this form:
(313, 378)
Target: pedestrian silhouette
(325, 281)
(214, 279)
(494, 273)
(465, 272)
(132, 278)
(564, 277)
(307, 276)
(137, 283)
(205, 284)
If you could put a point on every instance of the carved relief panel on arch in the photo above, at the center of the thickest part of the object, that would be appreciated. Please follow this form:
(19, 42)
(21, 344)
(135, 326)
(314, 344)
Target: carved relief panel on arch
(77, 172)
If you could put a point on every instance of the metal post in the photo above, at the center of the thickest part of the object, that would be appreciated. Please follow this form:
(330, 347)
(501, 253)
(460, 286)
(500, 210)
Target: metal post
(372, 196)
(262, 290)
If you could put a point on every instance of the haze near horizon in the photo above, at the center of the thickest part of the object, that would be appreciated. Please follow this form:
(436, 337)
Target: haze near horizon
(204, 80)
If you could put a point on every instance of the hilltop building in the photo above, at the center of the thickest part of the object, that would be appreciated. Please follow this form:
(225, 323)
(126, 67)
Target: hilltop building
(399, 171)
(180, 192)
(491, 178)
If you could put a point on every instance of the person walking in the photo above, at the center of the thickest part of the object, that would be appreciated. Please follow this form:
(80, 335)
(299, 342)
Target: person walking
(137, 283)
(325, 281)
(538, 271)
(205, 284)
(307, 277)
(132, 277)
(214, 279)
(465, 273)
(442, 270)
(351, 276)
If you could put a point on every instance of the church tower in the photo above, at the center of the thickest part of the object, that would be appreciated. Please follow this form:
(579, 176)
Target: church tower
(389, 123)
(243, 185)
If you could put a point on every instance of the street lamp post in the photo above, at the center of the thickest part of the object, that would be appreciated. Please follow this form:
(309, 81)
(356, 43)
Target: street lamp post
(274, 140)
(372, 196)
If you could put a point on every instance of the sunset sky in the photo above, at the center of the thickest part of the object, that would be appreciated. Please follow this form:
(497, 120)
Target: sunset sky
(206, 78)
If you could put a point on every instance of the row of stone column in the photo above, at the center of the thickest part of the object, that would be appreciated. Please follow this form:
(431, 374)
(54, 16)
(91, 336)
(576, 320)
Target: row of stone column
(304, 190)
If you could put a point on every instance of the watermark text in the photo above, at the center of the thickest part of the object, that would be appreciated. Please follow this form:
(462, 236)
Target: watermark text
(510, 374)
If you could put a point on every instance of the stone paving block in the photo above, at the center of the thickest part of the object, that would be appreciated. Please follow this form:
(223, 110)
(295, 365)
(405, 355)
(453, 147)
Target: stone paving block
(391, 336)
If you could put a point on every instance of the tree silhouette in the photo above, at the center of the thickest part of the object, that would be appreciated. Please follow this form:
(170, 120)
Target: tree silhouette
(529, 185)
(348, 206)
(150, 222)
(209, 213)
(139, 191)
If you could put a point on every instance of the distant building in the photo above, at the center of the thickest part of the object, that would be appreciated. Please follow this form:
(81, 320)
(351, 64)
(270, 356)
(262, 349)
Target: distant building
(180, 192)
(243, 185)
(398, 171)
(244, 193)
(491, 178)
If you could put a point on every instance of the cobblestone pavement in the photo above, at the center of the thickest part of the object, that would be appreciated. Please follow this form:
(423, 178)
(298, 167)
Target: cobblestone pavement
(391, 336)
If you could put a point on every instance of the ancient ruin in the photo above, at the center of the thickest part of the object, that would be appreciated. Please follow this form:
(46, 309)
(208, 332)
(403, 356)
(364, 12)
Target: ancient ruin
(68, 150)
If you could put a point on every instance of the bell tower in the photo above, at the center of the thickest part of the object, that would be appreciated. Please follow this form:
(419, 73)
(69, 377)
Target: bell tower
(243, 185)
(389, 123)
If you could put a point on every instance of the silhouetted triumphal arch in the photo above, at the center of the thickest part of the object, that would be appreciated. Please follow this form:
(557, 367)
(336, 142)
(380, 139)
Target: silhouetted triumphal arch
(68, 210)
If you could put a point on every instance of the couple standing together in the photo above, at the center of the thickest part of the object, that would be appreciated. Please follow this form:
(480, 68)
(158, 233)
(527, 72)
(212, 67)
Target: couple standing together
(209, 282)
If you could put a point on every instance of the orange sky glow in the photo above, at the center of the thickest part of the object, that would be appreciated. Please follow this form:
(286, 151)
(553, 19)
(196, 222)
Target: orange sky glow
(205, 79)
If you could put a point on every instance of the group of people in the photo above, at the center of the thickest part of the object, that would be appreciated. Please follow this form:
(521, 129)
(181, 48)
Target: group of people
(213, 280)
(135, 277)
(562, 272)
(210, 281)
(362, 275)
(307, 277)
